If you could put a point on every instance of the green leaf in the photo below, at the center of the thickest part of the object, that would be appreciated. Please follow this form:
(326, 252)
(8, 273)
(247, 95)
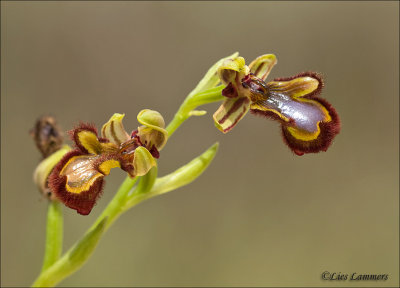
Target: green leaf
(186, 174)
(176, 179)
(80, 252)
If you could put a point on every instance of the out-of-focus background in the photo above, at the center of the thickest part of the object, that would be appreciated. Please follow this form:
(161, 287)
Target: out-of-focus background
(259, 216)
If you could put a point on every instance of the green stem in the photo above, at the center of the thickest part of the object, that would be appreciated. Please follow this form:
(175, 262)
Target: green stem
(192, 102)
(115, 208)
(54, 234)
(81, 251)
(72, 260)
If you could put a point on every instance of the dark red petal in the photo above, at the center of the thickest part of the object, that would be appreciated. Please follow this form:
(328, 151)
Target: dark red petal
(154, 152)
(230, 91)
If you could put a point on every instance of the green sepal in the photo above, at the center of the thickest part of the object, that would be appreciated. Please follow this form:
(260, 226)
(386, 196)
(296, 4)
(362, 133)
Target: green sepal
(143, 161)
(45, 167)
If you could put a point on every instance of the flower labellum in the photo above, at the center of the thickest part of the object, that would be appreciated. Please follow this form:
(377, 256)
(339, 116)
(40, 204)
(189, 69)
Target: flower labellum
(309, 123)
(78, 179)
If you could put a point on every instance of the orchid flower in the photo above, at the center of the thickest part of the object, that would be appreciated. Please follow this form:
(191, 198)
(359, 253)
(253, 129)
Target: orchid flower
(309, 123)
(77, 179)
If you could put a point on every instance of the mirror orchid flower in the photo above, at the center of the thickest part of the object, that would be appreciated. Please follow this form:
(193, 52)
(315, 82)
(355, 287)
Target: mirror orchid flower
(78, 178)
(308, 122)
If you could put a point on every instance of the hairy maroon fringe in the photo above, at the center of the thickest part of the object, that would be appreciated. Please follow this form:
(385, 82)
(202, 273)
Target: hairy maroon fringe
(328, 131)
(81, 202)
(82, 127)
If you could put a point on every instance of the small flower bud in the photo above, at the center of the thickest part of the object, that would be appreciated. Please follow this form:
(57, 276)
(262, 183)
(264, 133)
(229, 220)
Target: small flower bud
(47, 135)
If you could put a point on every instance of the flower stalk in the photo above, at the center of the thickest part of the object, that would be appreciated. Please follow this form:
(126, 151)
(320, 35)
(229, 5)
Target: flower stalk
(54, 234)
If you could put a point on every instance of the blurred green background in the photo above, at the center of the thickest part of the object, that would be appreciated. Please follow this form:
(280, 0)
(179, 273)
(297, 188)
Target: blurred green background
(259, 216)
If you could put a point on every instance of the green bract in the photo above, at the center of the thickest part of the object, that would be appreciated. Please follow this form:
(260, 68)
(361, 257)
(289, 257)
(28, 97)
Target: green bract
(44, 168)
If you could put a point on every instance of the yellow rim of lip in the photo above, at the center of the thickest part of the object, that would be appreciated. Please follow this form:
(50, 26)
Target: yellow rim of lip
(85, 187)
(307, 136)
